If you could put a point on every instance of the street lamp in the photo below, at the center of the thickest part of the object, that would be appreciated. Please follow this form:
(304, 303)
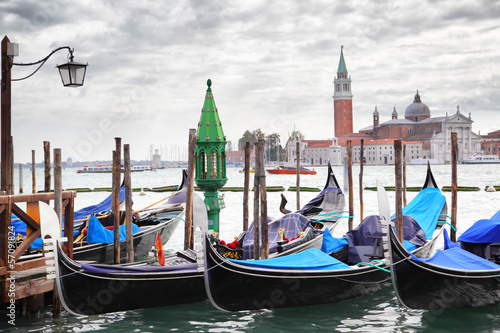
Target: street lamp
(72, 75)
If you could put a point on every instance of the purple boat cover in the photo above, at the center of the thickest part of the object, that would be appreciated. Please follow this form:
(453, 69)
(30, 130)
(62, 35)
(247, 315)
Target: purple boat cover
(293, 223)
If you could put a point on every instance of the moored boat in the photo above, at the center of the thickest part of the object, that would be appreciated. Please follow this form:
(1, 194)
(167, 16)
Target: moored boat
(90, 289)
(290, 170)
(482, 159)
(109, 169)
(451, 278)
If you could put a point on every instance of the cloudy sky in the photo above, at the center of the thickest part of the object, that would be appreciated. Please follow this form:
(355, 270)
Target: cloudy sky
(272, 64)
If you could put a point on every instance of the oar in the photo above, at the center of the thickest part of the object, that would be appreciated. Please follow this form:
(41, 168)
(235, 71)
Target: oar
(384, 212)
(136, 211)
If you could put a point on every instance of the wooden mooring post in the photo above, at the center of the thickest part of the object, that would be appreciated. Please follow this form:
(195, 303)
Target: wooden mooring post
(297, 186)
(46, 160)
(454, 186)
(56, 302)
(263, 202)
(361, 157)
(351, 190)
(188, 227)
(398, 189)
(116, 197)
(33, 172)
(256, 207)
(404, 175)
(20, 178)
(127, 180)
(246, 186)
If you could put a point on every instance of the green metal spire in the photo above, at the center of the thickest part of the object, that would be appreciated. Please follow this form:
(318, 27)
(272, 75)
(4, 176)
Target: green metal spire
(342, 66)
(209, 126)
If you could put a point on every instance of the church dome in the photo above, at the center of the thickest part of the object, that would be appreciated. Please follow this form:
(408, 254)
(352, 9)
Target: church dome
(417, 108)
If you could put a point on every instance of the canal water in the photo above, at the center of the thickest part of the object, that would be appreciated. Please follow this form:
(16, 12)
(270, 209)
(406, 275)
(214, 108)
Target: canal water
(372, 313)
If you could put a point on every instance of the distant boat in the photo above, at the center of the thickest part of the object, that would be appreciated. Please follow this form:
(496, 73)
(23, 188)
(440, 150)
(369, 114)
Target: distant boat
(290, 170)
(243, 171)
(109, 169)
(482, 159)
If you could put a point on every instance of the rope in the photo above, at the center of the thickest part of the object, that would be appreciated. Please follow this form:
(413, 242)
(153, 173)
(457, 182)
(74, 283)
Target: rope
(334, 217)
(445, 216)
(338, 211)
(372, 265)
(454, 229)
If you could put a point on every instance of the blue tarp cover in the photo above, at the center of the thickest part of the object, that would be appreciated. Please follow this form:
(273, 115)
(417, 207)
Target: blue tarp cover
(483, 231)
(331, 244)
(96, 233)
(455, 257)
(425, 209)
(311, 259)
(105, 205)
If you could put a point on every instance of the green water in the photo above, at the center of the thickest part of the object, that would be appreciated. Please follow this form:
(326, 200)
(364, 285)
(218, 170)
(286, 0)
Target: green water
(378, 312)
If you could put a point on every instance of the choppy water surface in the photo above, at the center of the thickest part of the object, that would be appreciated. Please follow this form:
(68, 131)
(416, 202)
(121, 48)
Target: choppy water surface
(372, 313)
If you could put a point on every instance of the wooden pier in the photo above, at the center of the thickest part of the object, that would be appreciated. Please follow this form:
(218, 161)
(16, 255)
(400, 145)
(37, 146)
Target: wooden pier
(20, 278)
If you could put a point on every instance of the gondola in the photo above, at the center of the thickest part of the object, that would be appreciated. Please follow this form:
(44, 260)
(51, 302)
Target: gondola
(303, 229)
(451, 278)
(163, 219)
(90, 289)
(235, 285)
(423, 219)
(286, 281)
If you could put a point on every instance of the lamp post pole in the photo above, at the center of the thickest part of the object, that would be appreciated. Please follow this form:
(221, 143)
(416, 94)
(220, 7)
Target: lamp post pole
(6, 120)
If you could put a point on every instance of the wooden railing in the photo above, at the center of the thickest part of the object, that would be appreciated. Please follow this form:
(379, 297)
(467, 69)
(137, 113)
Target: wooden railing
(9, 255)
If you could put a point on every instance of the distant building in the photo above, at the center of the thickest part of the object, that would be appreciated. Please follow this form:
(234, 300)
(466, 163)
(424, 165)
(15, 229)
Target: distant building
(379, 152)
(156, 162)
(490, 144)
(69, 162)
(342, 100)
(314, 152)
(237, 157)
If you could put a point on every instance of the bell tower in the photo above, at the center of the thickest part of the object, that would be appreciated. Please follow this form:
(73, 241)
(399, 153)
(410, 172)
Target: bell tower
(342, 99)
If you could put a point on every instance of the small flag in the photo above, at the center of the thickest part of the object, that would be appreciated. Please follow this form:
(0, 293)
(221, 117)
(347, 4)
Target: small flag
(159, 247)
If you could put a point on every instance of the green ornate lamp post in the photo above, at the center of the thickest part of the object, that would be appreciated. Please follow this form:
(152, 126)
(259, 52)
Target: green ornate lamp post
(210, 158)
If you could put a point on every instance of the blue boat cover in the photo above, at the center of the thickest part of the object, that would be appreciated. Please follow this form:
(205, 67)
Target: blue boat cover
(96, 233)
(307, 260)
(292, 223)
(360, 236)
(105, 205)
(331, 244)
(483, 231)
(452, 256)
(425, 209)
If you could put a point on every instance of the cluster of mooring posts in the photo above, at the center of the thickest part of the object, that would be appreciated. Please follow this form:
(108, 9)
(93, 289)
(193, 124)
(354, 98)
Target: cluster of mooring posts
(24, 282)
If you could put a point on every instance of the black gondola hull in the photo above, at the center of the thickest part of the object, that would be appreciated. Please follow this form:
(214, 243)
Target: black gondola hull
(96, 293)
(421, 285)
(233, 287)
